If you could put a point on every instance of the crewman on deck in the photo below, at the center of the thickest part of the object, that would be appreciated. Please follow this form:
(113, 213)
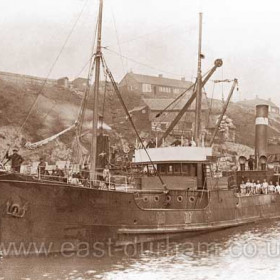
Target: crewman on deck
(151, 143)
(85, 172)
(193, 144)
(251, 163)
(271, 187)
(258, 187)
(264, 186)
(16, 160)
(248, 187)
(277, 188)
(106, 175)
(176, 143)
(41, 167)
(253, 187)
(243, 188)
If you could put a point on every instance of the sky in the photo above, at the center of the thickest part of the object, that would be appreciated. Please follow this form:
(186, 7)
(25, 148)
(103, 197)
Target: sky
(54, 38)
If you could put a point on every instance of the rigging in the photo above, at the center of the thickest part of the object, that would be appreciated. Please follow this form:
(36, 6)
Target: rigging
(130, 119)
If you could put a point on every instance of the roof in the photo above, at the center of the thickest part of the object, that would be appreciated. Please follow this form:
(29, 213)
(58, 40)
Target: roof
(173, 154)
(156, 80)
(79, 79)
(63, 78)
(257, 101)
(156, 104)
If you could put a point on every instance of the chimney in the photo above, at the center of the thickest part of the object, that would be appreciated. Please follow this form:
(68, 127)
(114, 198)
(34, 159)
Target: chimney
(183, 79)
(261, 132)
(160, 76)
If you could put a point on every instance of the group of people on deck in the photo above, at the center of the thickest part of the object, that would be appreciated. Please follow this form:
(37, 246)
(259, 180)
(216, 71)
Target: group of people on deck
(153, 144)
(252, 187)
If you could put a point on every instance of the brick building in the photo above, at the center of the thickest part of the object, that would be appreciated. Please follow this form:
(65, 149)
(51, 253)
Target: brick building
(154, 87)
(252, 103)
(185, 126)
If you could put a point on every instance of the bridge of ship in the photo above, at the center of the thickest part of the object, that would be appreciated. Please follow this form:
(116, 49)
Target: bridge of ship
(181, 168)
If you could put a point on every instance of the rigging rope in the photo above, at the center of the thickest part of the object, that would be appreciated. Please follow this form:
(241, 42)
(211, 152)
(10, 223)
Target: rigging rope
(130, 119)
(181, 95)
(140, 63)
(53, 65)
(48, 74)
(211, 104)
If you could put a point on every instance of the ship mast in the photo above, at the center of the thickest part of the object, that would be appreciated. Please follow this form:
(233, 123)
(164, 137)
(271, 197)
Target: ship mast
(199, 86)
(95, 97)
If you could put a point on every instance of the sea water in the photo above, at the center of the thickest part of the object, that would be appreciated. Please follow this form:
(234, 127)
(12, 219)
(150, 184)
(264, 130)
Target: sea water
(246, 252)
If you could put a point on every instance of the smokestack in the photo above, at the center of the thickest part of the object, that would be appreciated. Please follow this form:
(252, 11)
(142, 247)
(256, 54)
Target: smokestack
(261, 131)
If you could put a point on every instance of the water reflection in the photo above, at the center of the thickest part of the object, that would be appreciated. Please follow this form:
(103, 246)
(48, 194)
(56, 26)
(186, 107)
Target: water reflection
(251, 251)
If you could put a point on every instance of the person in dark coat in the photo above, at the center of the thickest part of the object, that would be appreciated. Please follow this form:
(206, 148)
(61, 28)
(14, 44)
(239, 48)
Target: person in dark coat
(16, 160)
(85, 172)
(42, 167)
(251, 163)
(151, 144)
(176, 143)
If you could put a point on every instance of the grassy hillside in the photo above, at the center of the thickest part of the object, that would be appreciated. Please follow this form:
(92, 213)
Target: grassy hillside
(58, 108)
(244, 120)
(55, 109)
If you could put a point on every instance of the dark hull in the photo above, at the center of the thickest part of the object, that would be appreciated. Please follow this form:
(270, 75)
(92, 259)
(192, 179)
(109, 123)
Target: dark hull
(62, 217)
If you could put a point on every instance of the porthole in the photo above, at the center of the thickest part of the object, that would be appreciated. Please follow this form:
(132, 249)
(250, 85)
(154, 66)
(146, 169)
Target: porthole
(156, 198)
(168, 198)
(145, 198)
(191, 199)
(179, 198)
(135, 221)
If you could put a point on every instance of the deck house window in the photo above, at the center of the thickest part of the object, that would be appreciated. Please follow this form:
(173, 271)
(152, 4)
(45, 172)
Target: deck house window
(165, 89)
(147, 88)
(170, 169)
(161, 168)
(177, 168)
(189, 169)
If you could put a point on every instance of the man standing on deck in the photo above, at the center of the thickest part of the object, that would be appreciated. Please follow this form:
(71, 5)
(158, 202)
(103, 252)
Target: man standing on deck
(41, 167)
(251, 163)
(106, 175)
(16, 160)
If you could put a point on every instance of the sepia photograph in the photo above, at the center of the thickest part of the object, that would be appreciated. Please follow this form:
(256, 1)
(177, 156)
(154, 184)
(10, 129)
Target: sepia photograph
(139, 140)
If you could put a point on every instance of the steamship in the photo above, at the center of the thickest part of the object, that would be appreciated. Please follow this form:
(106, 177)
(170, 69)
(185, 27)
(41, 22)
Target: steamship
(181, 197)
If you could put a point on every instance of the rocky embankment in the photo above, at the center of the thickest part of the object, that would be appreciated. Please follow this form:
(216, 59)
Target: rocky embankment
(57, 108)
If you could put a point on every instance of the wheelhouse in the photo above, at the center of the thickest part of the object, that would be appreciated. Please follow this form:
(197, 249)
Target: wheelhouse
(179, 167)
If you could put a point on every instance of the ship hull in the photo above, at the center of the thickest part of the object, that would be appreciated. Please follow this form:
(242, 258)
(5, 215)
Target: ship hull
(61, 218)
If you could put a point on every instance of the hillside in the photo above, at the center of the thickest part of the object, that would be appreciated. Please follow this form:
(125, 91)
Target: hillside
(57, 108)
(244, 120)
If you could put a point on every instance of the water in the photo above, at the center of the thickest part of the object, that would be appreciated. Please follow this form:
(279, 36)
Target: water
(251, 252)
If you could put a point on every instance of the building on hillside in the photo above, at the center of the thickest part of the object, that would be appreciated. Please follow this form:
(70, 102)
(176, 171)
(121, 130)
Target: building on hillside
(81, 84)
(63, 82)
(272, 107)
(152, 86)
(26, 79)
(159, 124)
(141, 118)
